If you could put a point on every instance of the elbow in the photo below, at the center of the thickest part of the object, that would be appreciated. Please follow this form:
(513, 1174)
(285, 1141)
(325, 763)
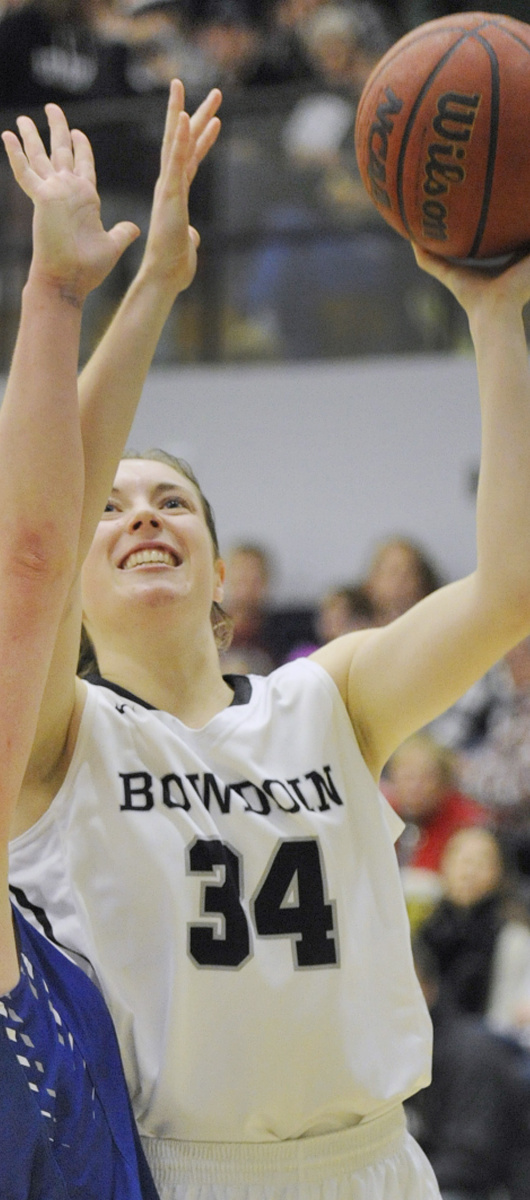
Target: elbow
(42, 554)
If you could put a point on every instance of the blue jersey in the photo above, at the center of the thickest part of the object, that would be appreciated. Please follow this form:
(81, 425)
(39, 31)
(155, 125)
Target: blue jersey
(66, 1128)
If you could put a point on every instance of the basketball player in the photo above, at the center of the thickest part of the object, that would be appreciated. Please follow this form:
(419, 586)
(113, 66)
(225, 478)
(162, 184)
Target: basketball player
(66, 1128)
(217, 847)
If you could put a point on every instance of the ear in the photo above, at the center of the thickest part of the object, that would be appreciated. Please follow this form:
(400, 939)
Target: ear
(219, 584)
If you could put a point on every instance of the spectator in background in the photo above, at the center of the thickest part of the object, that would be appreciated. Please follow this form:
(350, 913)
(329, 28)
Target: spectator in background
(239, 50)
(399, 574)
(473, 1121)
(263, 634)
(60, 50)
(479, 933)
(341, 610)
(489, 728)
(420, 783)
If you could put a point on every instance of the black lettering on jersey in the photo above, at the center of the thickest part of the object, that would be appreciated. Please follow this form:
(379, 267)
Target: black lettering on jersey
(167, 797)
(291, 901)
(210, 787)
(137, 784)
(268, 786)
(313, 792)
(209, 945)
(240, 788)
(324, 787)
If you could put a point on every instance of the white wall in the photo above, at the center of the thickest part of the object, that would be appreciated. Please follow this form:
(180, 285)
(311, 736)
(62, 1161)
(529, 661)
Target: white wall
(317, 460)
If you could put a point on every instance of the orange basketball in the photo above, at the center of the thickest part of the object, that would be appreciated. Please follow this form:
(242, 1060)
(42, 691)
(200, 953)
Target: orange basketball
(443, 136)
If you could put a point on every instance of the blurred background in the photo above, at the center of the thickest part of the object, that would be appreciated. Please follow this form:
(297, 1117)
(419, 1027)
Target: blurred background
(324, 390)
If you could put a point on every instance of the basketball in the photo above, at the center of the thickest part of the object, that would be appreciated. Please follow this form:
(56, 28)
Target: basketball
(442, 136)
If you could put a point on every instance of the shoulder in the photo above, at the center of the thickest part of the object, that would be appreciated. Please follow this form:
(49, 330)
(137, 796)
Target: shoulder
(304, 680)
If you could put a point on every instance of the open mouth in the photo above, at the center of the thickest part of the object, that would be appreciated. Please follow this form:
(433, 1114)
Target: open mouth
(140, 558)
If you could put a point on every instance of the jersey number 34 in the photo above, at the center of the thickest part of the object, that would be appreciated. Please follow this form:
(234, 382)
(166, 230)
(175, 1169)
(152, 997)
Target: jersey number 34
(291, 901)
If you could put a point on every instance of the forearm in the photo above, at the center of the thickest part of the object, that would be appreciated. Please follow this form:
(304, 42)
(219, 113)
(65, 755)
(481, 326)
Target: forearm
(41, 455)
(111, 384)
(503, 502)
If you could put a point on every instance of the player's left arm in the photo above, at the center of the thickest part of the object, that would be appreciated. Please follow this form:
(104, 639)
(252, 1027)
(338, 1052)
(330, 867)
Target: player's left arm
(397, 678)
(111, 384)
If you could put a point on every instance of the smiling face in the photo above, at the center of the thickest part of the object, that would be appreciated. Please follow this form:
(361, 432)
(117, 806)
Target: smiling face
(152, 550)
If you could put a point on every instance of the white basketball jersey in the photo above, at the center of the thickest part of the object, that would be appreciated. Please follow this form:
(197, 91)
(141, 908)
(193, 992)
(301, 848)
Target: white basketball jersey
(237, 892)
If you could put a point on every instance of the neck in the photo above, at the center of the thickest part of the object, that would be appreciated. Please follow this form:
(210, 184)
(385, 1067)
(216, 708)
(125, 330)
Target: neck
(185, 680)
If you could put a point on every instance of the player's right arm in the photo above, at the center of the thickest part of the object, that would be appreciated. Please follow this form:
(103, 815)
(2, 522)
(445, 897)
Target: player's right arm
(41, 450)
(110, 387)
(397, 678)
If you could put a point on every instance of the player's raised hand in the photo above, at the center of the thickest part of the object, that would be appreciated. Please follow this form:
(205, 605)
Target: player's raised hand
(171, 247)
(71, 249)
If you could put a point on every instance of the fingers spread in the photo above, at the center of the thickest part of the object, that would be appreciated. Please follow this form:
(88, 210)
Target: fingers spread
(34, 147)
(83, 157)
(205, 111)
(61, 155)
(203, 144)
(17, 161)
(174, 109)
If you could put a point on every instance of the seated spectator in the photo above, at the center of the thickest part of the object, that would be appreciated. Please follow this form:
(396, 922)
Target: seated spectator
(400, 573)
(473, 1121)
(420, 784)
(479, 933)
(54, 50)
(490, 728)
(497, 771)
(263, 633)
(239, 51)
(465, 726)
(342, 610)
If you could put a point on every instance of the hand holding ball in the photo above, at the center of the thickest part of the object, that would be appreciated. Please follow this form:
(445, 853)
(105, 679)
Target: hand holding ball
(443, 136)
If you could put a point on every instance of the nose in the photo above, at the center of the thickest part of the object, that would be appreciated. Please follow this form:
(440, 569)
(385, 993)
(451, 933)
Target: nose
(145, 518)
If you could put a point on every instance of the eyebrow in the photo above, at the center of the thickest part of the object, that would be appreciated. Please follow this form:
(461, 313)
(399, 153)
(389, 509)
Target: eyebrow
(170, 486)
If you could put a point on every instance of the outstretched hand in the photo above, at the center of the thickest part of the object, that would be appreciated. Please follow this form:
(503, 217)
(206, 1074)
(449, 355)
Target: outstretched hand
(71, 249)
(171, 247)
(473, 286)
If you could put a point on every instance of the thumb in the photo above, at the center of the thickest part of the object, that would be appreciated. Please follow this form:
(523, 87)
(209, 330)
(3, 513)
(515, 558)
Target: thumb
(123, 234)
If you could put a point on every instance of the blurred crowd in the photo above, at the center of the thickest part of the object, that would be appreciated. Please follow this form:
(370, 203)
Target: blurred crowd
(461, 786)
(304, 263)
(115, 47)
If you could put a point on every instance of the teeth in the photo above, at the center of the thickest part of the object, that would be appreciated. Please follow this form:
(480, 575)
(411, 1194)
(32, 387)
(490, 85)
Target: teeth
(149, 556)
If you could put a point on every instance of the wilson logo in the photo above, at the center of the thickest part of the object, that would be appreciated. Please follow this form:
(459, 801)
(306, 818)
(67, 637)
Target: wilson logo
(445, 163)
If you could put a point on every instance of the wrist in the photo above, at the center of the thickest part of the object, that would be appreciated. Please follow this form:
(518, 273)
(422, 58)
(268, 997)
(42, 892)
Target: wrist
(53, 304)
(55, 290)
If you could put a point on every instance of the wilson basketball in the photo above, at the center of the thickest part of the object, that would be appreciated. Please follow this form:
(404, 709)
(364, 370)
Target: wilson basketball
(443, 136)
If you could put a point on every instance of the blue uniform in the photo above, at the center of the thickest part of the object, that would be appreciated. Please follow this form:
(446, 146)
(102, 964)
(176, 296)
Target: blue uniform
(66, 1128)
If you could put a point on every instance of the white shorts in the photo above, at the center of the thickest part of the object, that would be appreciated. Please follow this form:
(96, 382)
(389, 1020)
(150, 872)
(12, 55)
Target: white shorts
(376, 1160)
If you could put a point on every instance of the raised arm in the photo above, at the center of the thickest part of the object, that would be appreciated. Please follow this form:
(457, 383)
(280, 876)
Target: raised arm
(397, 678)
(41, 451)
(109, 389)
(111, 384)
